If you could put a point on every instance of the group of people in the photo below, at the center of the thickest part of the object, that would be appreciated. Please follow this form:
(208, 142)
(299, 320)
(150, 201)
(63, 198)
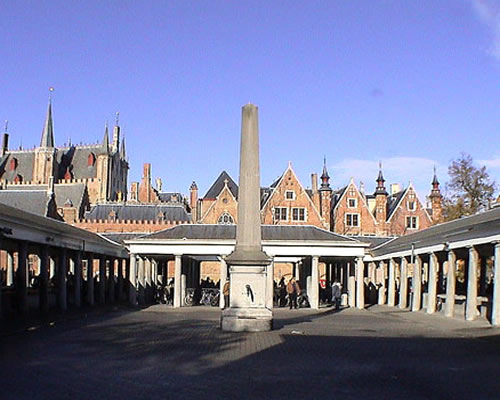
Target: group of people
(289, 293)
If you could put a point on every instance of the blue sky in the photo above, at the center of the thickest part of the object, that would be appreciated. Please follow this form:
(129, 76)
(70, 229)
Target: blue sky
(408, 83)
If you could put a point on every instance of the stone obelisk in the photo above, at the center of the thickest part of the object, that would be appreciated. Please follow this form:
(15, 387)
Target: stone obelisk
(248, 263)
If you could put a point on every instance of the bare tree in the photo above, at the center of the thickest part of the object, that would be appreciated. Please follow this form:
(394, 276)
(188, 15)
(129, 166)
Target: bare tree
(469, 190)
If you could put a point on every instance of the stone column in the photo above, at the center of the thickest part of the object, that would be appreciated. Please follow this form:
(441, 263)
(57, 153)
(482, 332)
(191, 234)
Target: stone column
(177, 281)
(52, 268)
(450, 284)
(351, 284)
(147, 279)
(391, 301)
(154, 278)
(78, 279)
(10, 268)
(111, 285)
(102, 280)
(90, 279)
(432, 284)
(62, 271)
(44, 279)
(120, 279)
(381, 288)
(223, 278)
(471, 305)
(360, 285)
(403, 288)
(314, 295)
(132, 280)
(270, 286)
(495, 316)
(21, 277)
(141, 280)
(417, 284)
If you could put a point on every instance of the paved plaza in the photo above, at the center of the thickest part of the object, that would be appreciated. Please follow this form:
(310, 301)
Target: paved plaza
(159, 352)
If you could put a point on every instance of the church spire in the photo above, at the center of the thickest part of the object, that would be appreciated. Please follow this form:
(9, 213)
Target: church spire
(380, 181)
(123, 154)
(105, 139)
(48, 128)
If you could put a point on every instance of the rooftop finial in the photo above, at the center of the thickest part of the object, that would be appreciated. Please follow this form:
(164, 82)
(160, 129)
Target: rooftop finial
(51, 89)
(6, 126)
(380, 165)
(117, 120)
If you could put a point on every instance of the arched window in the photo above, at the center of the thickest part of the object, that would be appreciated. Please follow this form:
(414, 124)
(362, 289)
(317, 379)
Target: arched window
(13, 164)
(91, 160)
(225, 219)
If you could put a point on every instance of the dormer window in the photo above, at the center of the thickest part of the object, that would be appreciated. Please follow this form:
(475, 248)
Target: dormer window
(91, 160)
(352, 203)
(412, 205)
(160, 217)
(13, 164)
(290, 195)
(112, 216)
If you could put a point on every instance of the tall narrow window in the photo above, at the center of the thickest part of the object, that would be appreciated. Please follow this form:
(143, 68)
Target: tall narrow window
(412, 222)
(280, 214)
(352, 220)
(298, 214)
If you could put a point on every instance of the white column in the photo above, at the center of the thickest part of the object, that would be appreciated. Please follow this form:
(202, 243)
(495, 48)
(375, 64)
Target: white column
(381, 281)
(314, 295)
(351, 285)
(392, 283)
(417, 284)
(495, 317)
(471, 305)
(154, 265)
(432, 284)
(132, 279)
(269, 285)
(450, 284)
(177, 281)
(141, 281)
(403, 288)
(10, 268)
(222, 279)
(360, 286)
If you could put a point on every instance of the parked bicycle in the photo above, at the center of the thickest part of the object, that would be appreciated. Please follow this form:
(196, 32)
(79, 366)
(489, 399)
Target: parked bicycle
(209, 297)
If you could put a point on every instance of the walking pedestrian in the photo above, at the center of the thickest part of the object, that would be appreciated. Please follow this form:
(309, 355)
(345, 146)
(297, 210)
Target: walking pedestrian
(293, 290)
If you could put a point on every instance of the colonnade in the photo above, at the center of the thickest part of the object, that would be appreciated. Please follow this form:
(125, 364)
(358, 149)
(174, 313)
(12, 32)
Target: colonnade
(429, 281)
(38, 277)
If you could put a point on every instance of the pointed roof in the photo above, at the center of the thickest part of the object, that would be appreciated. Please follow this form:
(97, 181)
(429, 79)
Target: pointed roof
(435, 182)
(219, 184)
(105, 139)
(380, 182)
(123, 154)
(48, 128)
(325, 178)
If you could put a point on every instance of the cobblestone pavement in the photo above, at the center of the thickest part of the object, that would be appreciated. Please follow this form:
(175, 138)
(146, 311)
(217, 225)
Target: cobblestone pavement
(161, 353)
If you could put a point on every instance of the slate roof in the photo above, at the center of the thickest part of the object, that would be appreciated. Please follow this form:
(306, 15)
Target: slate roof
(74, 192)
(77, 157)
(337, 195)
(373, 241)
(25, 162)
(121, 237)
(393, 201)
(32, 201)
(168, 197)
(269, 232)
(218, 185)
(138, 212)
(476, 226)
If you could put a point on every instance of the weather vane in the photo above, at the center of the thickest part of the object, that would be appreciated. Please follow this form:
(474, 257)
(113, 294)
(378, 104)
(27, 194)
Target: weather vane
(6, 125)
(51, 89)
(117, 117)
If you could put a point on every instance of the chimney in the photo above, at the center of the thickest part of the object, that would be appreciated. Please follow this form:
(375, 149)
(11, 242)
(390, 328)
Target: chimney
(134, 191)
(395, 188)
(314, 182)
(5, 143)
(193, 201)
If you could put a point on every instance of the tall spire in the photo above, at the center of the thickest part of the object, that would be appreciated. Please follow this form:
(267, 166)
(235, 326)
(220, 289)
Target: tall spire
(380, 181)
(435, 182)
(115, 147)
(325, 178)
(105, 139)
(123, 154)
(48, 128)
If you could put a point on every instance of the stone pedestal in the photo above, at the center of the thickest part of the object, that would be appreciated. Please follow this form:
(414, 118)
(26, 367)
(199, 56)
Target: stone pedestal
(247, 296)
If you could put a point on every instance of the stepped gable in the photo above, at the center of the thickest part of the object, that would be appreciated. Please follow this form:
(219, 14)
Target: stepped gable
(138, 212)
(218, 185)
(32, 201)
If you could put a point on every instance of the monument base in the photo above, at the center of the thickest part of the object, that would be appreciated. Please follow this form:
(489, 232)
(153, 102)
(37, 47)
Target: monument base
(247, 320)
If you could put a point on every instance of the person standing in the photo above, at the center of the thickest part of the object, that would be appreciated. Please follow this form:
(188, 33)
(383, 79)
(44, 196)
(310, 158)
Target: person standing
(293, 290)
(336, 294)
